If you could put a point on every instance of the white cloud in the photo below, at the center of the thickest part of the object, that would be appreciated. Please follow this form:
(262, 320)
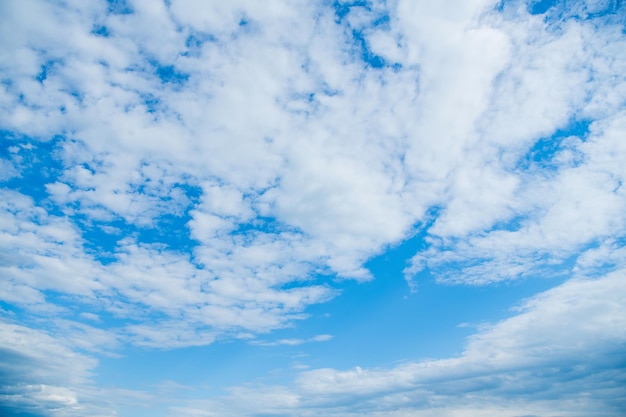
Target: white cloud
(513, 217)
(7, 170)
(559, 354)
(201, 303)
(39, 371)
(287, 160)
(295, 342)
(559, 214)
(343, 160)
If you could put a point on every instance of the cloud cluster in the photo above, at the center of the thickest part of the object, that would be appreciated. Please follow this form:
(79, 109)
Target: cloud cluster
(545, 186)
(179, 172)
(241, 138)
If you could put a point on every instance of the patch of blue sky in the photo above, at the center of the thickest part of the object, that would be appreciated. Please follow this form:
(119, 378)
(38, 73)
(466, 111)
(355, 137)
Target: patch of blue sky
(342, 8)
(38, 163)
(194, 42)
(176, 198)
(510, 224)
(542, 155)
(43, 74)
(152, 103)
(105, 315)
(499, 7)
(534, 7)
(168, 74)
(383, 22)
(359, 36)
(261, 223)
(19, 411)
(213, 368)
(557, 10)
(10, 139)
(119, 7)
(209, 369)
(433, 322)
(101, 30)
(48, 70)
(8, 309)
(541, 6)
(170, 231)
(370, 58)
(101, 238)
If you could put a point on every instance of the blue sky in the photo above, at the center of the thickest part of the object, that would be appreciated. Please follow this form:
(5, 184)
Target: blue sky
(312, 208)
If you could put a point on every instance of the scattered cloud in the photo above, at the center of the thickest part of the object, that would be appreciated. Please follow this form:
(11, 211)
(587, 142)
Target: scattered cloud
(295, 342)
(539, 361)
(177, 173)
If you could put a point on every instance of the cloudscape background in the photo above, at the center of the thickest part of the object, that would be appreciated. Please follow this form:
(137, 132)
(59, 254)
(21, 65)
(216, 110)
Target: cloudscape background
(313, 208)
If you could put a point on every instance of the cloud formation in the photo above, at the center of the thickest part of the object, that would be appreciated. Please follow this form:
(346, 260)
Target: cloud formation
(178, 173)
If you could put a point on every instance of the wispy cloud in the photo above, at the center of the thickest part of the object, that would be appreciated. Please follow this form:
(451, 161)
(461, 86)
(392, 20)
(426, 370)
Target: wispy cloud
(295, 342)
(538, 361)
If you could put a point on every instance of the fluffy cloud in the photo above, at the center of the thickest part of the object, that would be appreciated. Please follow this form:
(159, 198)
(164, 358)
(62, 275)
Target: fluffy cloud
(174, 174)
(531, 208)
(42, 251)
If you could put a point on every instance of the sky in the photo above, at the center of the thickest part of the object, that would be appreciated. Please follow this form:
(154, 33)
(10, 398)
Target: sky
(312, 208)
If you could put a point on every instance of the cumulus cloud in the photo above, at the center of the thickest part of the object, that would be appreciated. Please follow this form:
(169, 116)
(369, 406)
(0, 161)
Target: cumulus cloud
(253, 168)
(533, 207)
(176, 173)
